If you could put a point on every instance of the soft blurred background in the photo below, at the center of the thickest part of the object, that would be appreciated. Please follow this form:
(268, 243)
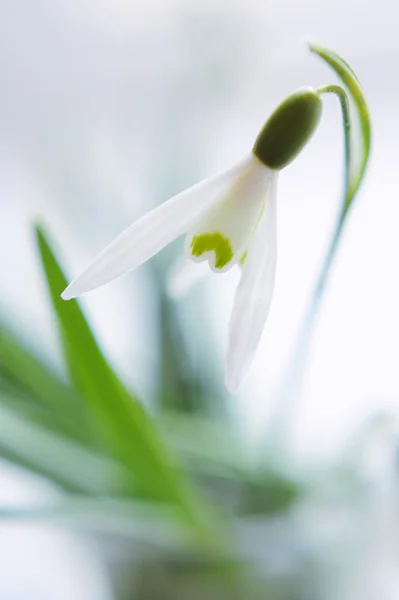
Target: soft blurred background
(107, 109)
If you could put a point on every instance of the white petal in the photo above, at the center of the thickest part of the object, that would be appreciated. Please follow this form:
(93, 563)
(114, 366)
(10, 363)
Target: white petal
(223, 232)
(253, 296)
(152, 232)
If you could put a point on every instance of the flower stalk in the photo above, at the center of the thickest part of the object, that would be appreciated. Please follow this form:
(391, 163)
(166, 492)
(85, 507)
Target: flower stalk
(354, 172)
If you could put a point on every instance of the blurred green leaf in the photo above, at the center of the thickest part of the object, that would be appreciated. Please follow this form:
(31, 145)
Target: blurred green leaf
(19, 365)
(187, 379)
(121, 420)
(270, 493)
(60, 460)
(57, 421)
(179, 386)
(206, 445)
(140, 521)
(33, 390)
(222, 461)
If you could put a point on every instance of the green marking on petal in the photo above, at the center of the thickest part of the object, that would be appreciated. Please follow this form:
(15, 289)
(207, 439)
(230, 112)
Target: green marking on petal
(216, 242)
(243, 257)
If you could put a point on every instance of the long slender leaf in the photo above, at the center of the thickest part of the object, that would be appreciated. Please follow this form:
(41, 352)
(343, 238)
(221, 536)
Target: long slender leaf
(58, 422)
(140, 521)
(187, 381)
(121, 420)
(37, 393)
(20, 365)
(205, 445)
(69, 465)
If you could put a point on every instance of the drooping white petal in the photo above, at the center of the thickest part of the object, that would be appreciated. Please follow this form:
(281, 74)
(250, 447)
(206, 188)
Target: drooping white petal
(152, 232)
(222, 233)
(254, 294)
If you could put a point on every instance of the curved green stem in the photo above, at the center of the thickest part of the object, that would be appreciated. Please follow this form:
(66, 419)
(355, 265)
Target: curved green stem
(344, 103)
(353, 176)
(296, 365)
(351, 82)
(328, 260)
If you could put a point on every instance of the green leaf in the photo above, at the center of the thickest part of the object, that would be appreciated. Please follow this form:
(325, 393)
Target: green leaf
(207, 446)
(19, 365)
(33, 390)
(356, 167)
(123, 425)
(185, 384)
(52, 420)
(63, 462)
(268, 494)
(125, 518)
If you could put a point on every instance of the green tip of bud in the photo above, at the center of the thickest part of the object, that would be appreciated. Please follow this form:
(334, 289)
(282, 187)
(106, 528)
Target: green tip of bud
(289, 128)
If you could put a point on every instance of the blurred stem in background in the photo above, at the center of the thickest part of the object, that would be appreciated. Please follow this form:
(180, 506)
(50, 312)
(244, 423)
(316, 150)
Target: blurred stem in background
(188, 380)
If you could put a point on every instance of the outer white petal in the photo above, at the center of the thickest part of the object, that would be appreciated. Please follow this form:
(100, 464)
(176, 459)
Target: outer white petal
(152, 232)
(254, 294)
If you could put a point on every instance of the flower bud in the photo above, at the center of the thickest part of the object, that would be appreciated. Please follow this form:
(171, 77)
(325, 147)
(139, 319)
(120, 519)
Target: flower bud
(288, 129)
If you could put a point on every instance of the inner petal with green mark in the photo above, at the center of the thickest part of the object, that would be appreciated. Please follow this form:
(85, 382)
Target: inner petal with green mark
(213, 242)
(222, 234)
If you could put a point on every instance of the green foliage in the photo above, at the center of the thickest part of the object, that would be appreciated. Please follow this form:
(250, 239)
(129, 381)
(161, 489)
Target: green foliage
(124, 429)
(270, 494)
(127, 518)
(92, 438)
(54, 456)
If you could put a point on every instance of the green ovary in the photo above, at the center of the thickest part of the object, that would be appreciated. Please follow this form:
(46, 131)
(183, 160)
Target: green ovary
(216, 242)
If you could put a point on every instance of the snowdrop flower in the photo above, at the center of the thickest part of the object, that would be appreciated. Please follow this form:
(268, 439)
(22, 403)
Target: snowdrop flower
(229, 219)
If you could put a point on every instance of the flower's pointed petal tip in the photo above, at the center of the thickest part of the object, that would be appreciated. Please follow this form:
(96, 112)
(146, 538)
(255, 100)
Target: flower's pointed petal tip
(66, 295)
(76, 289)
(233, 386)
(233, 379)
(69, 293)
